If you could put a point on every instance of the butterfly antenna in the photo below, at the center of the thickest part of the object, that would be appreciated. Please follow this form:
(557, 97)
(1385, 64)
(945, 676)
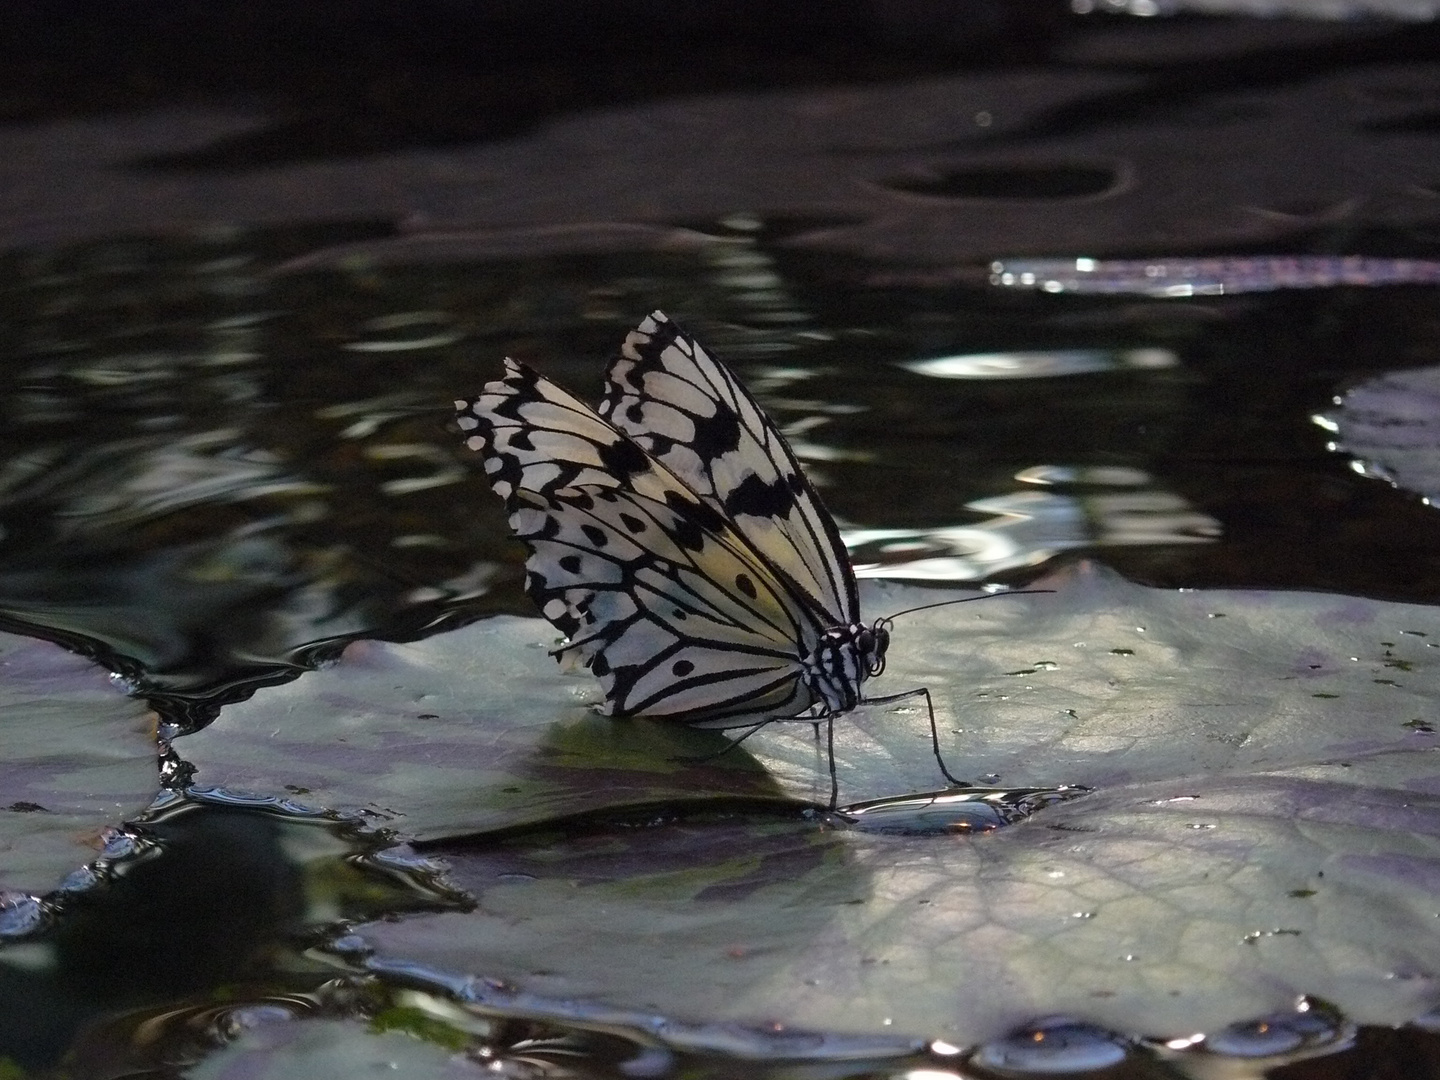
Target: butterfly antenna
(964, 600)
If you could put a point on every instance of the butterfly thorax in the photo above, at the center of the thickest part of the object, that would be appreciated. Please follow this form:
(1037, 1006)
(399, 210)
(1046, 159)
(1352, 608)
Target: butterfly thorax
(843, 658)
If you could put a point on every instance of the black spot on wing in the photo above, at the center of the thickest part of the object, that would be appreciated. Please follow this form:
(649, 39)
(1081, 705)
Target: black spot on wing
(757, 498)
(623, 458)
(633, 523)
(570, 564)
(717, 435)
(688, 535)
(595, 535)
(745, 585)
(692, 521)
(681, 668)
(702, 514)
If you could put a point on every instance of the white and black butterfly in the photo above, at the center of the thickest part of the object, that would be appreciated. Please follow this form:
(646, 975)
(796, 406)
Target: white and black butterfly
(676, 543)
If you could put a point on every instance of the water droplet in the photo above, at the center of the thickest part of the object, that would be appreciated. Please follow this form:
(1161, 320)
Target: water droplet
(20, 915)
(1309, 1027)
(1054, 1045)
(968, 810)
(1255, 935)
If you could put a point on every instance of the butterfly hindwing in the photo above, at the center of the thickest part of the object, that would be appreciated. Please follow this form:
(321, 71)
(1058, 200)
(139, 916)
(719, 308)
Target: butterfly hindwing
(672, 618)
(669, 606)
(691, 413)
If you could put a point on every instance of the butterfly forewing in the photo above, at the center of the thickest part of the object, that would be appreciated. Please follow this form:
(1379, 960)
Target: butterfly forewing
(691, 413)
(670, 606)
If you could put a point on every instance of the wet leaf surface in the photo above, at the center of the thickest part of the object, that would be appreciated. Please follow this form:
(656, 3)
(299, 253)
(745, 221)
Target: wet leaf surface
(1390, 427)
(79, 756)
(1264, 823)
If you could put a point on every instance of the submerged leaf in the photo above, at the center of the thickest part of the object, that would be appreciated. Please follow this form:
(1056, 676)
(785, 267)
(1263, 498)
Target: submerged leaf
(325, 1049)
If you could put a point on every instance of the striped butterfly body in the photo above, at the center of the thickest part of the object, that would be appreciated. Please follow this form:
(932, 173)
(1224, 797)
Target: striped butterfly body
(676, 543)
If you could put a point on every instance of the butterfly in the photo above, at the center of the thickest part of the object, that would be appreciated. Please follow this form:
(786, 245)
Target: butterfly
(676, 543)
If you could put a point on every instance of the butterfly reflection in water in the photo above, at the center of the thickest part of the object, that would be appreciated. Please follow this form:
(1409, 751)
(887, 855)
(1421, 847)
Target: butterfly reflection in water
(677, 545)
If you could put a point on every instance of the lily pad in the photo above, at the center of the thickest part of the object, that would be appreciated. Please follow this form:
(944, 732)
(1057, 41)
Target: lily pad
(1161, 908)
(1097, 683)
(1390, 426)
(79, 755)
(1266, 819)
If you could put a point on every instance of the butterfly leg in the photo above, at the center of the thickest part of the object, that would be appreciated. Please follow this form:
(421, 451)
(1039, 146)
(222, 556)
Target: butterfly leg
(733, 743)
(830, 746)
(924, 691)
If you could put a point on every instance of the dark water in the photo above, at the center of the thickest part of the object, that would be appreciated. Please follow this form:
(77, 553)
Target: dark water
(217, 466)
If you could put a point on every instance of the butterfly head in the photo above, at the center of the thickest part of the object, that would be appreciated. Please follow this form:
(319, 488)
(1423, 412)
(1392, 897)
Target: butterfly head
(871, 643)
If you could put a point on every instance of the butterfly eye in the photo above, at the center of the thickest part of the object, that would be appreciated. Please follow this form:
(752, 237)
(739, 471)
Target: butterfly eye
(881, 630)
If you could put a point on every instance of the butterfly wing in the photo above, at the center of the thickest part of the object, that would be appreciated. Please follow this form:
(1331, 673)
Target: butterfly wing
(664, 600)
(689, 411)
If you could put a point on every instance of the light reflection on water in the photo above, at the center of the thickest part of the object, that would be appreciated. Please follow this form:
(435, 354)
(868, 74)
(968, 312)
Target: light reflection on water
(1037, 364)
(1164, 278)
(1027, 529)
